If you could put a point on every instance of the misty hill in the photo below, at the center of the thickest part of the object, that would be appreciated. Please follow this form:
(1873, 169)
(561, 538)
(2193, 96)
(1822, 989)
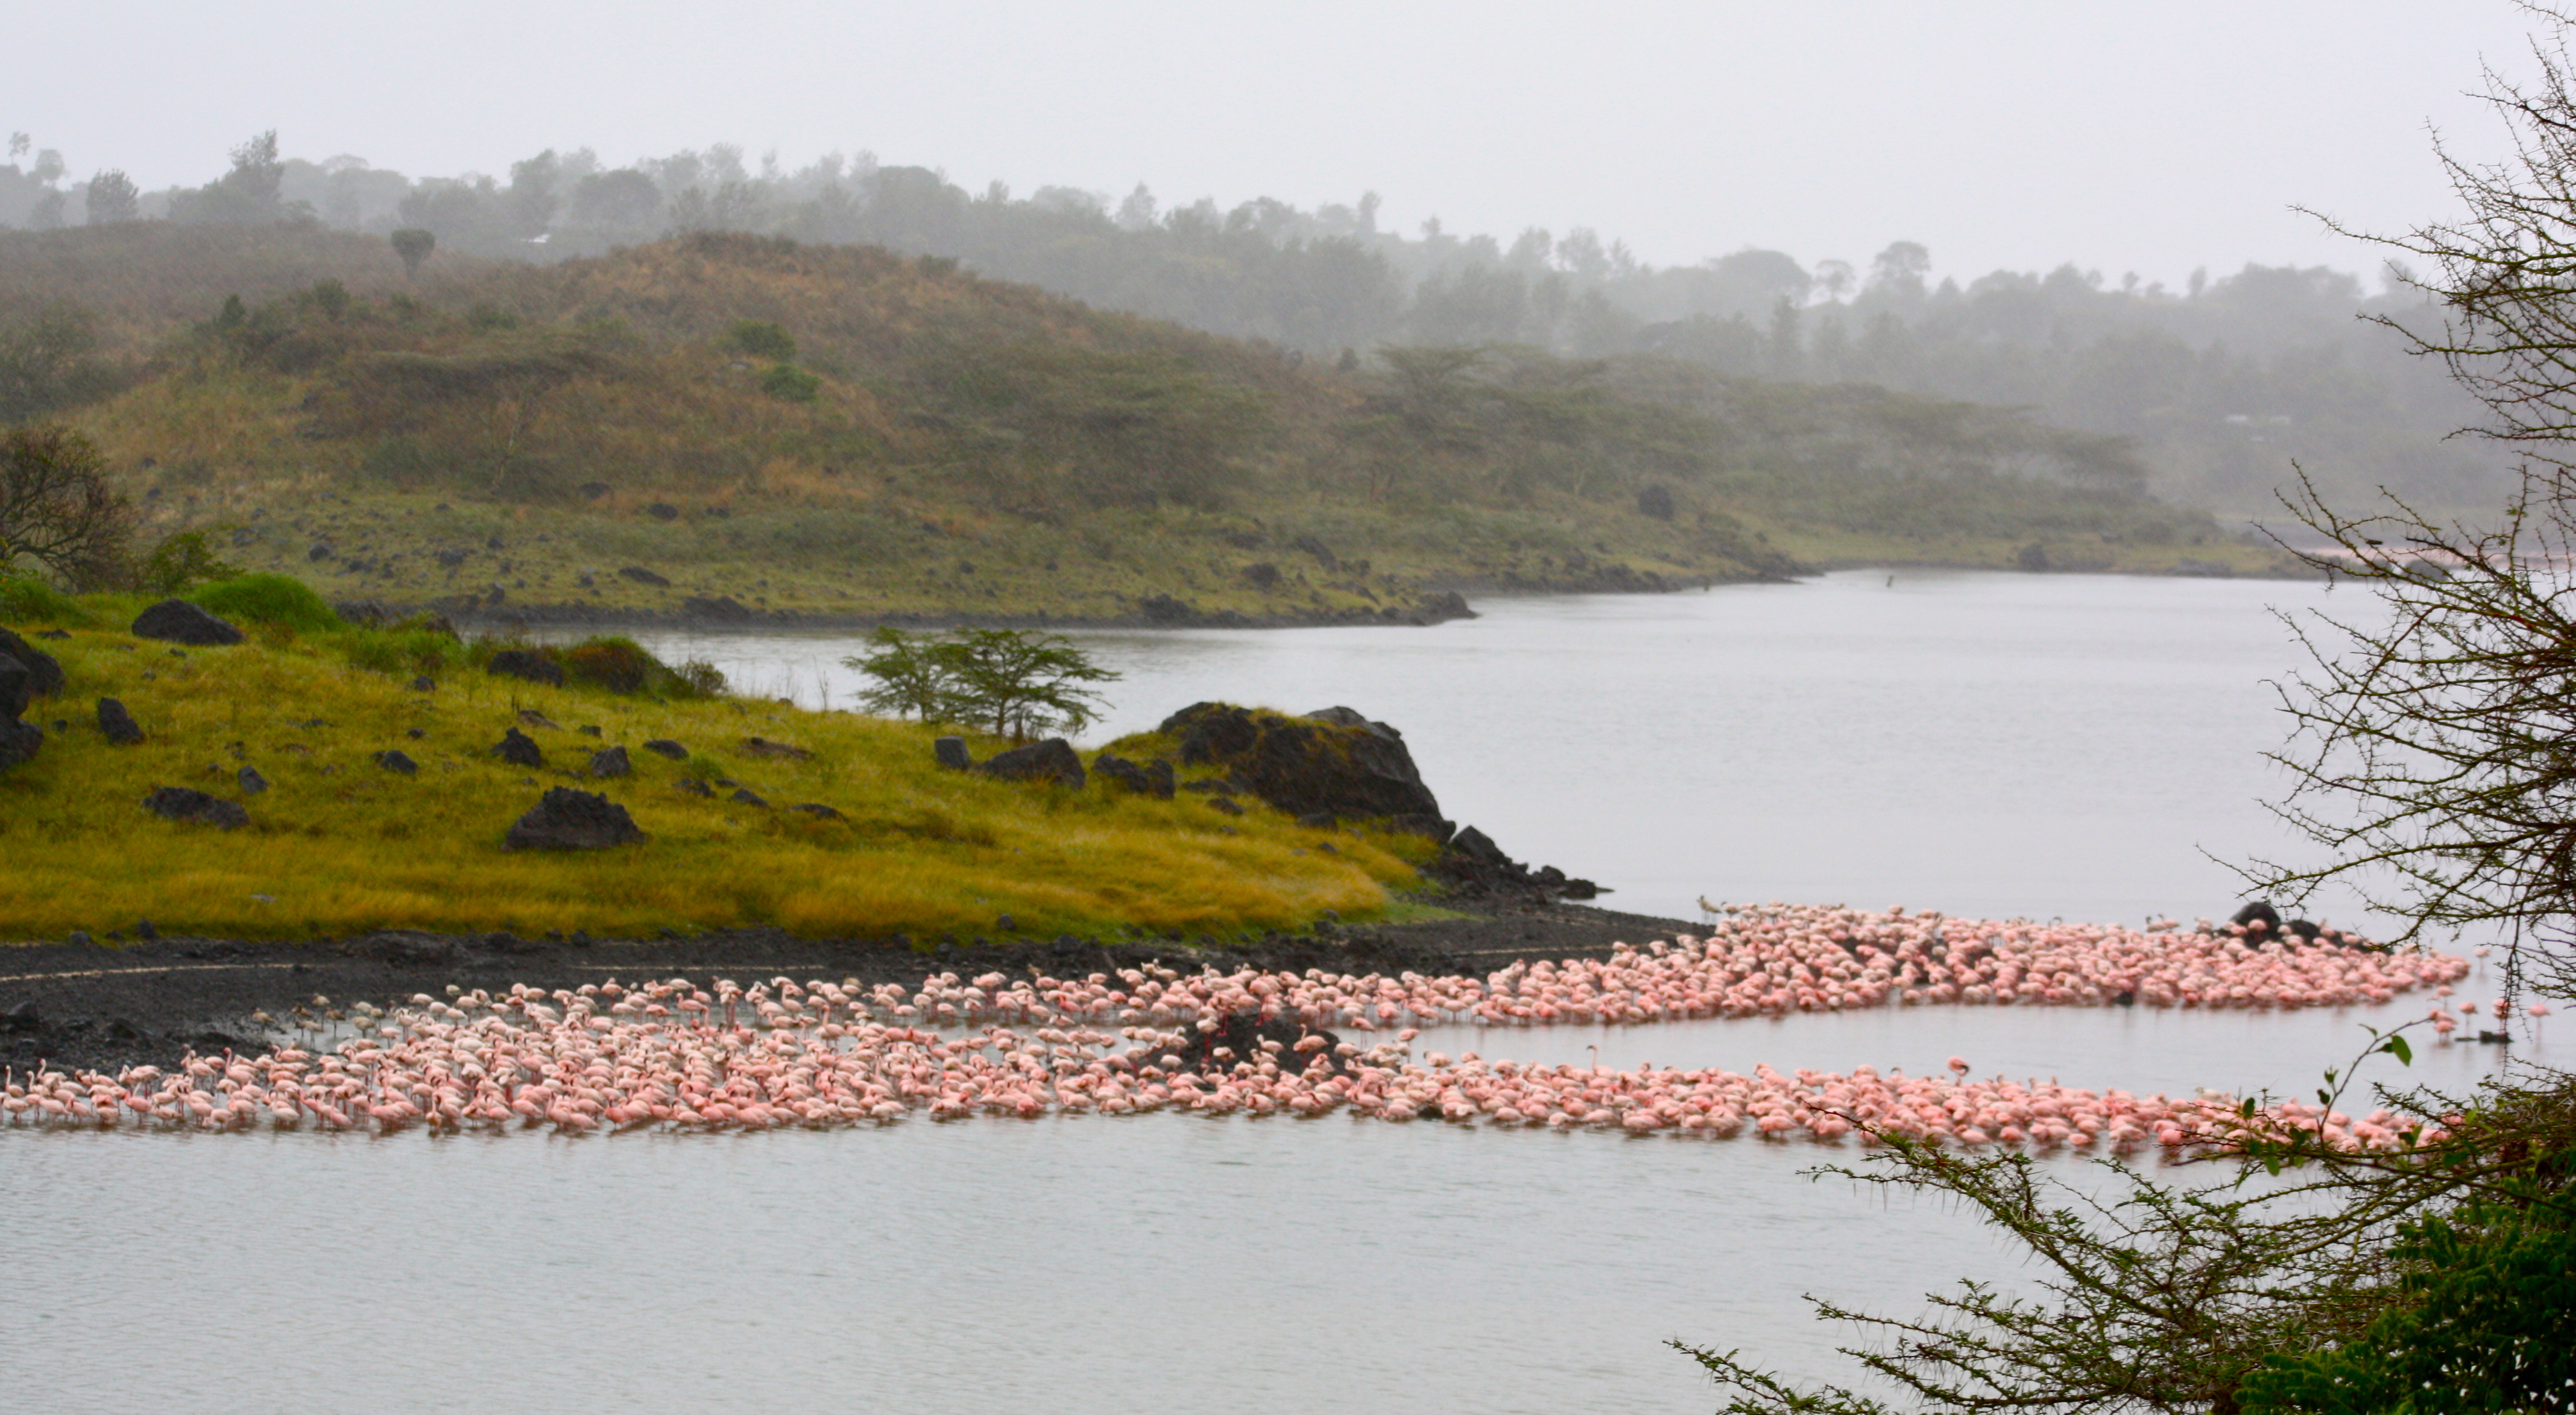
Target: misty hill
(2222, 384)
(835, 429)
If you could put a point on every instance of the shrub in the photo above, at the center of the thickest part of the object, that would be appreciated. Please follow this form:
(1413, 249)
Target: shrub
(182, 560)
(24, 599)
(273, 599)
(403, 649)
(618, 664)
(793, 384)
(57, 509)
(761, 339)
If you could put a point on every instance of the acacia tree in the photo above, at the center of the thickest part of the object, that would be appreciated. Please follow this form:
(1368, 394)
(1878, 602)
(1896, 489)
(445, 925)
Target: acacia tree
(1009, 682)
(57, 509)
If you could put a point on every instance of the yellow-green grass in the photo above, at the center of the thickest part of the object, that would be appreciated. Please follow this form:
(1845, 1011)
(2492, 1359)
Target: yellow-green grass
(338, 845)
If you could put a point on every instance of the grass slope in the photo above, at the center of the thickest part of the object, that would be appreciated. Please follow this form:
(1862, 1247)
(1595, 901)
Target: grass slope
(339, 845)
(897, 437)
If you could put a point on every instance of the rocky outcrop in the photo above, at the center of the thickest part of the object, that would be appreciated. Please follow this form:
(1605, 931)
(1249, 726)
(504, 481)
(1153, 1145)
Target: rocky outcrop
(566, 819)
(1051, 760)
(1471, 863)
(951, 753)
(44, 674)
(116, 724)
(19, 741)
(1151, 779)
(526, 664)
(1331, 765)
(179, 622)
(181, 803)
(611, 762)
(518, 749)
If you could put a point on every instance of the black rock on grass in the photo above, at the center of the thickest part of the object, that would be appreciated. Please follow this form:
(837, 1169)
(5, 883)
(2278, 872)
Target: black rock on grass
(116, 724)
(194, 807)
(573, 820)
(179, 622)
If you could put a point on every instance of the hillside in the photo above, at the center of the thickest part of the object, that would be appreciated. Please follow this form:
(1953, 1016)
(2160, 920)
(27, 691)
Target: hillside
(845, 827)
(729, 424)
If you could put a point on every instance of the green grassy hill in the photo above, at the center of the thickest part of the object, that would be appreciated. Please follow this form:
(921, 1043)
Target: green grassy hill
(335, 843)
(725, 421)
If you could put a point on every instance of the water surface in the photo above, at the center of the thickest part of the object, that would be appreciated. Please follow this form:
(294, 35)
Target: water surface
(1990, 744)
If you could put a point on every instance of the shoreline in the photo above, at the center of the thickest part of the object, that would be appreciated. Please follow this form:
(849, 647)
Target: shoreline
(1443, 605)
(100, 1006)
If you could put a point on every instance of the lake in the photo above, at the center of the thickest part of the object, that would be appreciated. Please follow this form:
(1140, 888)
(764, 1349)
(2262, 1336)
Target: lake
(1975, 743)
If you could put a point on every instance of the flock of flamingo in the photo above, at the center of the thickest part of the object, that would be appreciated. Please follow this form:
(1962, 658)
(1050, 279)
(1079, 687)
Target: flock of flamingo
(670, 1054)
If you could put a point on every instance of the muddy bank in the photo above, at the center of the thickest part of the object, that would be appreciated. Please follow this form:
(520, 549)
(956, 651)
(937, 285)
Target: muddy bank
(101, 1006)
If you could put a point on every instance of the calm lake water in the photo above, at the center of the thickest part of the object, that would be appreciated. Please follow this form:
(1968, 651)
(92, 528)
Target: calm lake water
(1989, 744)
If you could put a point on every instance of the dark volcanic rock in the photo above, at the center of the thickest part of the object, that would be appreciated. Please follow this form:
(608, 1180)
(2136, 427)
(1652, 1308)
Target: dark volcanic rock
(527, 664)
(44, 672)
(642, 576)
(518, 749)
(116, 724)
(819, 811)
(179, 622)
(763, 747)
(180, 803)
(1154, 780)
(398, 762)
(611, 761)
(694, 787)
(1472, 863)
(15, 678)
(19, 741)
(1051, 760)
(723, 607)
(2260, 912)
(573, 820)
(252, 783)
(744, 795)
(1163, 609)
(952, 754)
(665, 747)
(1335, 763)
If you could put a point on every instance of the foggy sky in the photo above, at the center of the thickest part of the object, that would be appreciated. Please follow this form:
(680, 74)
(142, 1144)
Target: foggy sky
(2151, 138)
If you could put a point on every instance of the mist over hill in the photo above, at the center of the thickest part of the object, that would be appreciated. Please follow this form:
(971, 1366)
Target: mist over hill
(2221, 385)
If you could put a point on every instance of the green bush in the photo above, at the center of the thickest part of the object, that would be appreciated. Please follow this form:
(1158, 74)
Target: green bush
(274, 599)
(180, 561)
(761, 339)
(414, 646)
(24, 599)
(793, 384)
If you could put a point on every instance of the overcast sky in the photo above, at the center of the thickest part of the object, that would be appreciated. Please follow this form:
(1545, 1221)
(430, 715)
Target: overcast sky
(2147, 137)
